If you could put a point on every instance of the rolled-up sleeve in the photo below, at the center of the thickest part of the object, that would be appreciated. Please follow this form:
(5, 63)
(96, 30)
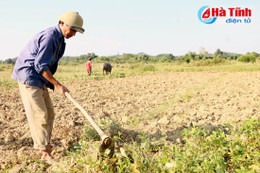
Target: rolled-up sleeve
(45, 53)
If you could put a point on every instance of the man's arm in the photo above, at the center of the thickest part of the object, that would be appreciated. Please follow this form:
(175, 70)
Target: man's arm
(47, 75)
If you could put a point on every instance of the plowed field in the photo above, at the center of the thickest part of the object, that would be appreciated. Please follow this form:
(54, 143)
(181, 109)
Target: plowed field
(153, 105)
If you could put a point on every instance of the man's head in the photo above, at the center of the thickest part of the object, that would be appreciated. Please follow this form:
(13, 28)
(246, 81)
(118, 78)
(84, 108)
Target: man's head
(70, 23)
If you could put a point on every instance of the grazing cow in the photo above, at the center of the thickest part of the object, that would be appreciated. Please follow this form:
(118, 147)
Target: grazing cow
(107, 67)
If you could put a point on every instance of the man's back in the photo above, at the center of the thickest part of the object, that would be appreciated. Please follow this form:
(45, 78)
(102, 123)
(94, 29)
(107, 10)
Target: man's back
(43, 50)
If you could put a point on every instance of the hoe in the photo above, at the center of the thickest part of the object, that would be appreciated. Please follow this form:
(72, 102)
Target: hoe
(107, 142)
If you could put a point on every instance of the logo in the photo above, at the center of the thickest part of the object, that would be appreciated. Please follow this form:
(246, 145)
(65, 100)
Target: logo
(204, 15)
(209, 15)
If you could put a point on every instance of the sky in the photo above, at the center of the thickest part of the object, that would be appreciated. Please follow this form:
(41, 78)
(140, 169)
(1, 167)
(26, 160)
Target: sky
(131, 26)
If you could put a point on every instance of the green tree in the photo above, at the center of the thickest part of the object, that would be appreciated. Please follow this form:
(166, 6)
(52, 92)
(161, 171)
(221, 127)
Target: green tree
(10, 61)
(143, 57)
(255, 54)
(190, 55)
(218, 52)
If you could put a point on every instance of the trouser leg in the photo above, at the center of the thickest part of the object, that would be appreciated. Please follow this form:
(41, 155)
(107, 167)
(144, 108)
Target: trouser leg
(40, 114)
(51, 114)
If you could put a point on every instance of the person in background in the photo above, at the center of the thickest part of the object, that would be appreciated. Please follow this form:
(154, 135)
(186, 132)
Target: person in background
(88, 65)
(34, 70)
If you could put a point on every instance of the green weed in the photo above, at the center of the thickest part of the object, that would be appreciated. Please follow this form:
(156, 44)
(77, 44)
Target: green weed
(203, 151)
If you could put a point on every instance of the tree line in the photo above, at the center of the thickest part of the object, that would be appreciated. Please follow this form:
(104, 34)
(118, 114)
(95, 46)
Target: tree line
(218, 56)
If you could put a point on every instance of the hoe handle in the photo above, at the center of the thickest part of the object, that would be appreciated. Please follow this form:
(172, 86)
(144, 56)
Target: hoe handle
(90, 119)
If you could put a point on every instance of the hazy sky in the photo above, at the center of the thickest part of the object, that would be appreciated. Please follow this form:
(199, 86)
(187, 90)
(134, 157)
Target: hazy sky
(130, 26)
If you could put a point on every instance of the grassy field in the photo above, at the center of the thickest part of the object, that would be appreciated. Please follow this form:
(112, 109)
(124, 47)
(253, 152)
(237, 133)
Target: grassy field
(71, 72)
(78, 72)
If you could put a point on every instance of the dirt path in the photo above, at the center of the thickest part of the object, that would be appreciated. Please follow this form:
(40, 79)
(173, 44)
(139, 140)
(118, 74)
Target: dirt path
(152, 105)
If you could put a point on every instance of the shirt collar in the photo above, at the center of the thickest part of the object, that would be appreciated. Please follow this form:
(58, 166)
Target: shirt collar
(59, 32)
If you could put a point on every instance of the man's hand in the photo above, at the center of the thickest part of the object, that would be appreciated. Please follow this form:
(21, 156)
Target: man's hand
(47, 75)
(62, 89)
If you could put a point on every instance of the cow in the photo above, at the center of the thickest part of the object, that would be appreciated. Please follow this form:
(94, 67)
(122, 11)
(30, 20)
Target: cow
(107, 67)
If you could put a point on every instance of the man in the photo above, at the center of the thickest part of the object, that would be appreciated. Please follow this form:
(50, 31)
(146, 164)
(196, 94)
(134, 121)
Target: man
(34, 69)
(88, 65)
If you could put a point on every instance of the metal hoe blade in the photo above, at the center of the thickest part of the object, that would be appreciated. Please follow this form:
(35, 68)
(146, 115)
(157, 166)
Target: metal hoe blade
(107, 143)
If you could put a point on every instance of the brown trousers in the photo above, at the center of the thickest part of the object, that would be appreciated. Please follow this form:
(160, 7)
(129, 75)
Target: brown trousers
(40, 114)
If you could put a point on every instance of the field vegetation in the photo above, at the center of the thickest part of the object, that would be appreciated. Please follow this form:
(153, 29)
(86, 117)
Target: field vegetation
(232, 148)
(73, 68)
(229, 150)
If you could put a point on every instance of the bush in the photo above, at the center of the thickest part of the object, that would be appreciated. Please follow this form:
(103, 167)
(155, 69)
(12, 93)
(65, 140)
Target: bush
(217, 61)
(207, 62)
(143, 58)
(165, 59)
(247, 58)
(187, 60)
(149, 68)
(2, 68)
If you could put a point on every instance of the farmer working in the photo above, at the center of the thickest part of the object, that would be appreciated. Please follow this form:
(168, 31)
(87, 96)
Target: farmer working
(34, 69)
(88, 65)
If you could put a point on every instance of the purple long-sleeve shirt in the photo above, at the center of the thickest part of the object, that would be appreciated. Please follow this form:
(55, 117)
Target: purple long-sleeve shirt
(42, 52)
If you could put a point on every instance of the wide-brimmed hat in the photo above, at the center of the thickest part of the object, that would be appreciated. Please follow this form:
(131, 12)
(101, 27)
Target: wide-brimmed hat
(74, 20)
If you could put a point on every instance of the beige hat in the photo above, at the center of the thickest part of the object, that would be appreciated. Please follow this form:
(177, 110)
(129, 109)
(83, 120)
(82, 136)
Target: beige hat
(73, 19)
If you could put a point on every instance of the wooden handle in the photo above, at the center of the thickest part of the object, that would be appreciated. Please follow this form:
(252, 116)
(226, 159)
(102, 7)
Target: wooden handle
(92, 122)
